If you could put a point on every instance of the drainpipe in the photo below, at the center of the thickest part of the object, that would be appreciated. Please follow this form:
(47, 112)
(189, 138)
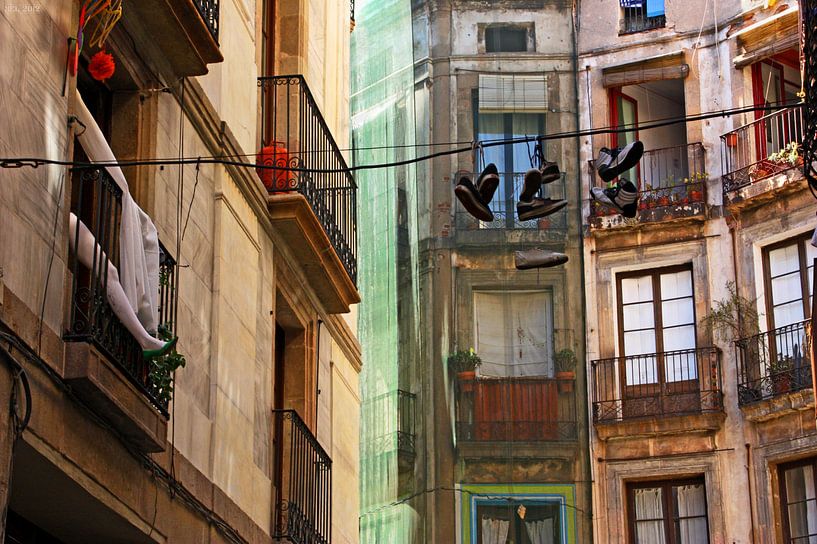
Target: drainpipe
(583, 321)
(749, 480)
(317, 375)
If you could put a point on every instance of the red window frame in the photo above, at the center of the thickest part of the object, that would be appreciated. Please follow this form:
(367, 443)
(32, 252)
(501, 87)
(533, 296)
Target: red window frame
(614, 95)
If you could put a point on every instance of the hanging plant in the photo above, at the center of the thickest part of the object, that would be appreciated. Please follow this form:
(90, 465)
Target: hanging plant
(101, 66)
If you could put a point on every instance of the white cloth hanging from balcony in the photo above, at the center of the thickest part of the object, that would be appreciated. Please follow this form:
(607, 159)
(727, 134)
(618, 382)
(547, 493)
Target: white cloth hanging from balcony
(138, 237)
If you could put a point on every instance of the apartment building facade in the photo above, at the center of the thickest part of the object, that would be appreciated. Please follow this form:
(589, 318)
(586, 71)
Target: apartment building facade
(698, 365)
(497, 453)
(255, 438)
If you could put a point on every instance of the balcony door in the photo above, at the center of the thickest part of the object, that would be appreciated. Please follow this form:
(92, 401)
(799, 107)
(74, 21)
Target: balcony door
(624, 113)
(657, 341)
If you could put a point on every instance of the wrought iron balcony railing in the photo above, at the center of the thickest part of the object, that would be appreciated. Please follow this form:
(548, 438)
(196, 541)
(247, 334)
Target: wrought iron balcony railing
(385, 433)
(774, 363)
(208, 9)
(636, 20)
(529, 409)
(303, 482)
(297, 136)
(98, 205)
(503, 206)
(671, 183)
(657, 384)
(746, 151)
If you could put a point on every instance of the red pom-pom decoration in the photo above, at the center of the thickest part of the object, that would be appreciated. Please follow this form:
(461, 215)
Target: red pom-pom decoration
(101, 66)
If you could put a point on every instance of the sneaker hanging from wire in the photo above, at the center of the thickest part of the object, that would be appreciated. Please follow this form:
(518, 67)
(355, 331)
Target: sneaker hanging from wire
(538, 258)
(612, 162)
(531, 206)
(623, 196)
(475, 199)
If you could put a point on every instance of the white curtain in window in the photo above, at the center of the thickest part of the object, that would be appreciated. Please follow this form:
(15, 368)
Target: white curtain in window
(514, 333)
(649, 507)
(138, 238)
(690, 501)
(787, 291)
(494, 531)
(541, 531)
(802, 507)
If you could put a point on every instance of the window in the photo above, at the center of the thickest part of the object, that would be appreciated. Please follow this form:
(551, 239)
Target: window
(517, 521)
(509, 107)
(656, 313)
(789, 271)
(798, 501)
(506, 38)
(671, 512)
(624, 113)
(514, 332)
(638, 15)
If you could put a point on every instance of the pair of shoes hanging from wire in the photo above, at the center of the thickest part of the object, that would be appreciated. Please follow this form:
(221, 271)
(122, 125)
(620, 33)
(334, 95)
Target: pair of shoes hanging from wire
(622, 196)
(476, 197)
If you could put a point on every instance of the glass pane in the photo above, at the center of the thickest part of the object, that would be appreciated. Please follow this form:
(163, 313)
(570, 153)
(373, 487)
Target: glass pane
(678, 338)
(678, 312)
(787, 288)
(799, 484)
(524, 124)
(636, 289)
(649, 503)
(639, 342)
(641, 370)
(650, 532)
(689, 500)
(691, 531)
(638, 316)
(677, 284)
(681, 367)
(492, 127)
(786, 314)
(783, 260)
(803, 520)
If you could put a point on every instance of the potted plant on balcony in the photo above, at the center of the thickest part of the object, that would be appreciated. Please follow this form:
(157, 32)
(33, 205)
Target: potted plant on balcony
(565, 362)
(788, 156)
(780, 374)
(663, 199)
(464, 364)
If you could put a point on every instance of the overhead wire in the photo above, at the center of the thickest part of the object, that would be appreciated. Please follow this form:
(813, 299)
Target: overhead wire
(34, 162)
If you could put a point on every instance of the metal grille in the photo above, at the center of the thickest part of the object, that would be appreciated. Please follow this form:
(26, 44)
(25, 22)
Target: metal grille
(774, 363)
(293, 124)
(208, 9)
(657, 384)
(808, 12)
(303, 483)
(636, 20)
(99, 207)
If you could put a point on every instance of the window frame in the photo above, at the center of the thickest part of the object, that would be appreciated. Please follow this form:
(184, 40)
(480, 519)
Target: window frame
(781, 482)
(658, 322)
(647, 23)
(669, 512)
(801, 240)
(513, 503)
(614, 95)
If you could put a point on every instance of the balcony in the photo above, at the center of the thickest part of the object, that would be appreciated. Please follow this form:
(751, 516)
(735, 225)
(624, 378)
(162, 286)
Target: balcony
(103, 361)
(774, 363)
(387, 432)
(637, 20)
(185, 31)
(505, 226)
(656, 385)
(315, 211)
(746, 155)
(527, 409)
(672, 187)
(302, 473)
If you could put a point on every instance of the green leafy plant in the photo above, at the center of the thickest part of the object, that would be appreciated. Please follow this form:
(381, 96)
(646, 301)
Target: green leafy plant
(464, 361)
(788, 155)
(733, 317)
(565, 361)
(162, 368)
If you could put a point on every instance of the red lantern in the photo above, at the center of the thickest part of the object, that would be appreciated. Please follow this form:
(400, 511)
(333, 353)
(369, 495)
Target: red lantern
(274, 155)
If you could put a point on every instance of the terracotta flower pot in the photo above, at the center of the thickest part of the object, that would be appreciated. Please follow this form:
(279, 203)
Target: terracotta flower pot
(565, 381)
(663, 201)
(466, 380)
(651, 204)
(731, 140)
(696, 196)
